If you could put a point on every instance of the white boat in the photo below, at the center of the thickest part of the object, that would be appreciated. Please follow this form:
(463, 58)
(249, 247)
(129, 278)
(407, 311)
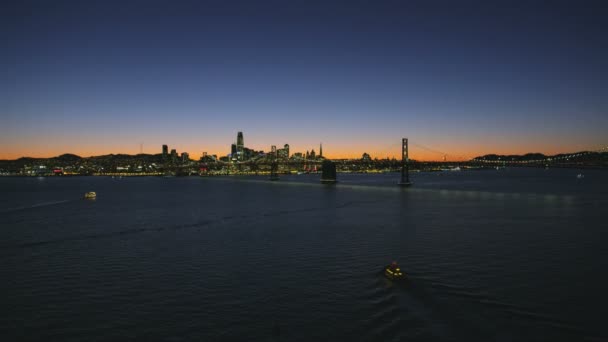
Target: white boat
(580, 175)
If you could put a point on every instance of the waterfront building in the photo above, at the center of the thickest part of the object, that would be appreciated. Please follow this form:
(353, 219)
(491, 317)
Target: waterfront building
(165, 152)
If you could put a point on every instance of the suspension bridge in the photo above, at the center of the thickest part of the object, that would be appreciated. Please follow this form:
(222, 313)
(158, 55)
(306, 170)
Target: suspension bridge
(273, 165)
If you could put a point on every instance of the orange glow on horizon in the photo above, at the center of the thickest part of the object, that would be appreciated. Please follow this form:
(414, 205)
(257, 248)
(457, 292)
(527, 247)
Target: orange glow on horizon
(414, 153)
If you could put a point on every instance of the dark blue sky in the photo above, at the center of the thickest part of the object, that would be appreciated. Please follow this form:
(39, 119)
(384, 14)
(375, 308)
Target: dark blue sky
(464, 78)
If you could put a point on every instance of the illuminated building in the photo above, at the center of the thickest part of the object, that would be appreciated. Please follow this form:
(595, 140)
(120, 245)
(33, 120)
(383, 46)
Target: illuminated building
(283, 153)
(165, 152)
(173, 156)
(240, 146)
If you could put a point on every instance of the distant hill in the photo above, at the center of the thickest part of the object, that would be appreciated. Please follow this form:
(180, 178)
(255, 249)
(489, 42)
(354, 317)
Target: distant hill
(66, 158)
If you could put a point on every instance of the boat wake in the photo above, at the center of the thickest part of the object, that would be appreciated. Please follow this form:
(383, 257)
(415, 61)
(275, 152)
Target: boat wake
(131, 231)
(34, 206)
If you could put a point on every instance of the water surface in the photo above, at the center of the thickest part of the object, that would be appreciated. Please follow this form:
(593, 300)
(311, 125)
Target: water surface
(507, 255)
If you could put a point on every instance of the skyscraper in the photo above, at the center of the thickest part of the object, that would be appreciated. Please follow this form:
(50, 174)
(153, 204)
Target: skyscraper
(173, 156)
(165, 152)
(320, 149)
(283, 153)
(233, 150)
(240, 146)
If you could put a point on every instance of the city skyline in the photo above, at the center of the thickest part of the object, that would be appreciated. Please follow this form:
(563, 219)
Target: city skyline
(463, 79)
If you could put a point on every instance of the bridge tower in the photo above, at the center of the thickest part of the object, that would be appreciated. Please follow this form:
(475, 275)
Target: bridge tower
(405, 167)
(274, 166)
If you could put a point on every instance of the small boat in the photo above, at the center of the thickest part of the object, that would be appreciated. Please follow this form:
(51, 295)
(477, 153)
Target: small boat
(393, 272)
(90, 195)
(580, 175)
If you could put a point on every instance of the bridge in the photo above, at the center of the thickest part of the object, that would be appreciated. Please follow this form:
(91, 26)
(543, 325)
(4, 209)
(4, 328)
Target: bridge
(270, 164)
(312, 165)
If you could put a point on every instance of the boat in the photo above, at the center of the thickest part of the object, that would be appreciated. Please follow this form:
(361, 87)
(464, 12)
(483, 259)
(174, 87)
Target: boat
(90, 195)
(393, 272)
(580, 175)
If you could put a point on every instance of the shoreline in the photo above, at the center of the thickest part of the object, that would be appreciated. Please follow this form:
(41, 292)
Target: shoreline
(228, 174)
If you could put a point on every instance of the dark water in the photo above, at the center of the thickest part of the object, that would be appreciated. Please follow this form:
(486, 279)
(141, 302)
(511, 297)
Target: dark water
(508, 255)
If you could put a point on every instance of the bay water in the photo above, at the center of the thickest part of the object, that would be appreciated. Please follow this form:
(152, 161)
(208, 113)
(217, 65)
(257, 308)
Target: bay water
(493, 255)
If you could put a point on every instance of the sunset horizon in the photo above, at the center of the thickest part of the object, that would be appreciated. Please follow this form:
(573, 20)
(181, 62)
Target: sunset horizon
(460, 80)
(417, 151)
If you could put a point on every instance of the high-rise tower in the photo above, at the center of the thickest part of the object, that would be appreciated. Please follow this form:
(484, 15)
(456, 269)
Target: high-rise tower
(240, 146)
(173, 156)
(320, 149)
(165, 152)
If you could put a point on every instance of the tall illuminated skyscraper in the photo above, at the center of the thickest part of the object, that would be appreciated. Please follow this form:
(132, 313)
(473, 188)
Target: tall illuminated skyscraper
(240, 146)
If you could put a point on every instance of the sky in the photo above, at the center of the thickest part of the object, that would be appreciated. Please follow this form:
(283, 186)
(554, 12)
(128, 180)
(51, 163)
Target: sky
(458, 78)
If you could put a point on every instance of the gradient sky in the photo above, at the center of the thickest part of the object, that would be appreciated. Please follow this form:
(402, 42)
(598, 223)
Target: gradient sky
(457, 77)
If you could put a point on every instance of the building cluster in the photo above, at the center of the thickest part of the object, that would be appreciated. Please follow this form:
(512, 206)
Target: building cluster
(172, 157)
(240, 153)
